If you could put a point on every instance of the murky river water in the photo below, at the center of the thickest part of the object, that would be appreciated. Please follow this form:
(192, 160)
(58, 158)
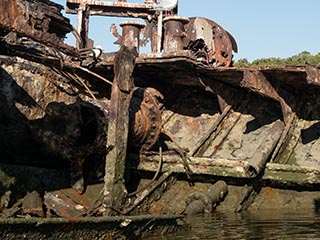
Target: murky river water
(258, 225)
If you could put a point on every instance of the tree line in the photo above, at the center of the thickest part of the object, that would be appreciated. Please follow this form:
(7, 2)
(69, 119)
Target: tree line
(302, 58)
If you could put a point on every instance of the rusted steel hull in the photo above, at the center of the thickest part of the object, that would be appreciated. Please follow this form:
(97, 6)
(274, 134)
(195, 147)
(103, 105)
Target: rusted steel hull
(153, 140)
(219, 143)
(88, 228)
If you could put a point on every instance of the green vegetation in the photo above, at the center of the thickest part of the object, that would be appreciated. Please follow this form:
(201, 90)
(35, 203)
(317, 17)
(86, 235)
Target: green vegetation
(299, 59)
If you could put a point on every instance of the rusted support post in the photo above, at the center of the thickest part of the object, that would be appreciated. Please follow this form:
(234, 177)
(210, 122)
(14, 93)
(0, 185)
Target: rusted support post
(154, 36)
(159, 33)
(114, 190)
(204, 202)
(83, 25)
(174, 33)
(131, 34)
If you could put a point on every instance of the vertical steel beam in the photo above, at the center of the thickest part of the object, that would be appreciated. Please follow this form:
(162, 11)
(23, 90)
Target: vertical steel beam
(83, 25)
(159, 32)
(114, 189)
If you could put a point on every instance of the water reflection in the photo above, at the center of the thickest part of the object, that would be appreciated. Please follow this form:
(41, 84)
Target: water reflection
(258, 225)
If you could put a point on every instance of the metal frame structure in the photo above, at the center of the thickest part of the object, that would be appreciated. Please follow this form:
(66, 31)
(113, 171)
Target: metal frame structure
(120, 8)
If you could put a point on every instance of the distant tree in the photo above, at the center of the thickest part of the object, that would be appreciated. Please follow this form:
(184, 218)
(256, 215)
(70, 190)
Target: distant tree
(317, 59)
(242, 62)
(300, 59)
(268, 62)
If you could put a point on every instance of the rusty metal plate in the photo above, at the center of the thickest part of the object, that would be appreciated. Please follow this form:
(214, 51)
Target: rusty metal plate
(219, 42)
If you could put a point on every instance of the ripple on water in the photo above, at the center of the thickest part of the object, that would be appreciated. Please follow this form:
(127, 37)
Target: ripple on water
(255, 225)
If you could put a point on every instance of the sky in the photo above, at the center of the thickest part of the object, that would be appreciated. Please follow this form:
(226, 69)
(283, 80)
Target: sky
(262, 28)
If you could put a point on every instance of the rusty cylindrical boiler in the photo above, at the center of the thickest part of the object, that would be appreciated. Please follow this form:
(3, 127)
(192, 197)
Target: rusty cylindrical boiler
(131, 34)
(174, 33)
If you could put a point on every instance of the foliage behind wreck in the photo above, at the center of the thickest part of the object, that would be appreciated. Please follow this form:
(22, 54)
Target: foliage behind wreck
(155, 139)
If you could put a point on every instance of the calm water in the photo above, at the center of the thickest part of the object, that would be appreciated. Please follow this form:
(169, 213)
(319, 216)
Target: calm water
(258, 225)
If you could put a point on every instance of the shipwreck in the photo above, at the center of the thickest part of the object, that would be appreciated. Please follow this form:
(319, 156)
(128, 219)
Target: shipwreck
(100, 145)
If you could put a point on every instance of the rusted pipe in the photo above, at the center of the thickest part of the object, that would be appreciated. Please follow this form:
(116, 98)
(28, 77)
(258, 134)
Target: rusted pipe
(259, 159)
(131, 34)
(174, 33)
(204, 202)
